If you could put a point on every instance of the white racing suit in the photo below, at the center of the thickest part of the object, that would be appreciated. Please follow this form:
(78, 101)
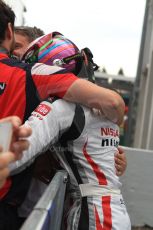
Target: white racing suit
(88, 156)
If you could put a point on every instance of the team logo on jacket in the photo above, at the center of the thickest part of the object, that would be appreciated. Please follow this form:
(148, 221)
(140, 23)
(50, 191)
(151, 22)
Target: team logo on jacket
(110, 137)
(43, 109)
(2, 87)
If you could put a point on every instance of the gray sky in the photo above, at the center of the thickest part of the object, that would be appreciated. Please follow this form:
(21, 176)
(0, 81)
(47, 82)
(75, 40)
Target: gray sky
(110, 28)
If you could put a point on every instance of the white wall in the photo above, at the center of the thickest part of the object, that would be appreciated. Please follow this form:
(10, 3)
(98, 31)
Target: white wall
(138, 186)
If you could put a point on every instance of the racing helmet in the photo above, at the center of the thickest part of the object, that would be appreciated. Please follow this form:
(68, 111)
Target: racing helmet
(54, 49)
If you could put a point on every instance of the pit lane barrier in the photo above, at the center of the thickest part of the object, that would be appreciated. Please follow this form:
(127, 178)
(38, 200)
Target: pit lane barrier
(47, 214)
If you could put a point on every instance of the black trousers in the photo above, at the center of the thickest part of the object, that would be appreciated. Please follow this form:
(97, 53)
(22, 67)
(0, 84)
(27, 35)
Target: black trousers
(8, 217)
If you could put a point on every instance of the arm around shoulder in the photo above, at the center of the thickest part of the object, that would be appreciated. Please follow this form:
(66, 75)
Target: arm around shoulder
(107, 101)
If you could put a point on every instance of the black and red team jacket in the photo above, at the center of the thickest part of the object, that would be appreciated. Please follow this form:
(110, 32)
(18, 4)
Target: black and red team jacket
(22, 87)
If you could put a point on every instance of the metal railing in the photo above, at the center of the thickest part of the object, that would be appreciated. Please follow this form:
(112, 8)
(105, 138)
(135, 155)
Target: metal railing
(47, 214)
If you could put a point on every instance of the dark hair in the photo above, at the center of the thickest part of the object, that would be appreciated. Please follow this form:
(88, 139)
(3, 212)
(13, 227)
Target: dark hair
(6, 15)
(30, 32)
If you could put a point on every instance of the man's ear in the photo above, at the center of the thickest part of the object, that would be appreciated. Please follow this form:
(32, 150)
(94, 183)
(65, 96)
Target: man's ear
(9, 31)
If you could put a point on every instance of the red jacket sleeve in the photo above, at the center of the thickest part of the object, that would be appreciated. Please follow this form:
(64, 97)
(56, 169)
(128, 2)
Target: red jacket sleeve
(49, 82)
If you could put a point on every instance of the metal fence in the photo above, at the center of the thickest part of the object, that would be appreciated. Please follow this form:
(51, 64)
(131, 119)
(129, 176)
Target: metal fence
(47, 214)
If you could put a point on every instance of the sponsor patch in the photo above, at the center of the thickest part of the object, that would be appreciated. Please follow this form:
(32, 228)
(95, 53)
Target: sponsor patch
(2, 87)
(43, 109)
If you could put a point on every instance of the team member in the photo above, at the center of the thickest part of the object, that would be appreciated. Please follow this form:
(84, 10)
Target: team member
(90, 143)
(42, 170)
(24, 35)
(22, 88)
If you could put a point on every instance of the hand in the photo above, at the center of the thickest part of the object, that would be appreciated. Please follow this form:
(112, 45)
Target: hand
(19, 143)
(120, 162)
(5, 159)
(17, 146)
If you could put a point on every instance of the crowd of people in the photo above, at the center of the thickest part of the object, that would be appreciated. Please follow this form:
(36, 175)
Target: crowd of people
(77, 116)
